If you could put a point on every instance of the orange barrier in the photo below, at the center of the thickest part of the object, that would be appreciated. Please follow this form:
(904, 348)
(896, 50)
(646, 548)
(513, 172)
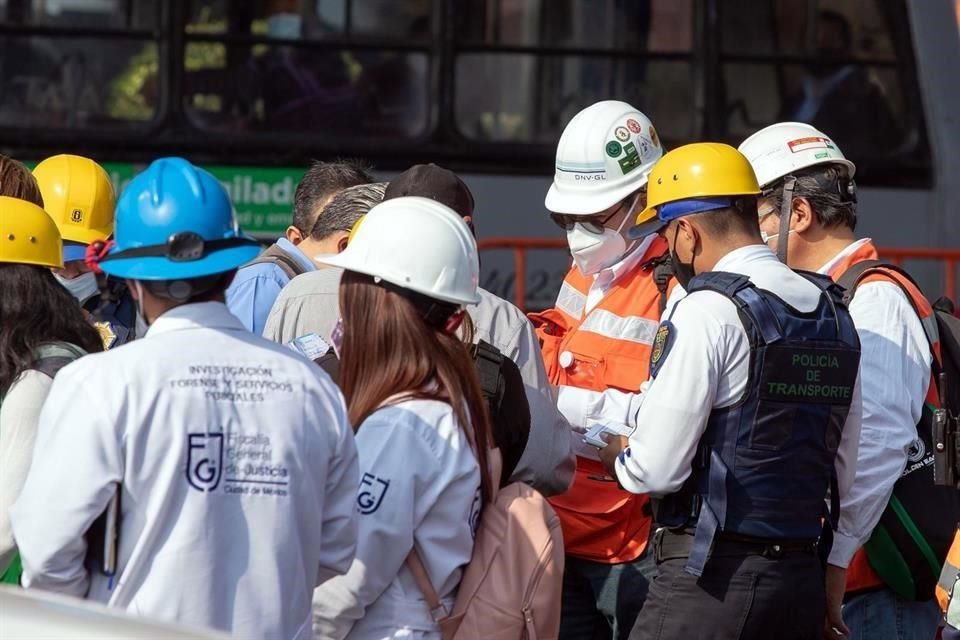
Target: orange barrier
(949, 257)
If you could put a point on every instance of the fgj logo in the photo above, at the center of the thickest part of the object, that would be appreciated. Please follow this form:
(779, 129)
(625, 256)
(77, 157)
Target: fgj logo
(204, 460)
(372, 490)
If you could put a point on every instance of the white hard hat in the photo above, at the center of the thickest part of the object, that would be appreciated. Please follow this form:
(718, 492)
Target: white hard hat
(605, 153)
(417, 244)
(780, 149)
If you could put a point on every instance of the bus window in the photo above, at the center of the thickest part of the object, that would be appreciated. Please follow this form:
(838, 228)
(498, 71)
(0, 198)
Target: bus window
(638, 51)
(81, 14)
(250, 81)
(844, 66)
(383, 18)
(68, 79)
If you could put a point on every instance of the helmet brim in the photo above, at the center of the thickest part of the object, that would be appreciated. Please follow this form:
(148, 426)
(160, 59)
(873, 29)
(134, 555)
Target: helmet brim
(348, 262)
(587, 204)
(73, 251)
(161, 268)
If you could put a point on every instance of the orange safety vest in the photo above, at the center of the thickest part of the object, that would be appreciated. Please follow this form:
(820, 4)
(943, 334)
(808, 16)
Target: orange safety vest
(860, 575)
(607, 348)
(949, 575)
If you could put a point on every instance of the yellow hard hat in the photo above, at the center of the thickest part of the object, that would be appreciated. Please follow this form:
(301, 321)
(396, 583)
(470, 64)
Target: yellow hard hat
(705, 173)
(78, 195)
(356, 227)
(28, 235)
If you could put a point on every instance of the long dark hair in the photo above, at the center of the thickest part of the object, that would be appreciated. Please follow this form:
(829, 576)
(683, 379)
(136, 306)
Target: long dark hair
(34, 309)
(392, 345)
(16, 181)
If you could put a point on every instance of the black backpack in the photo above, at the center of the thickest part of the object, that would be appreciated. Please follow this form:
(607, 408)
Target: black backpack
(506, 397)
(910, 543)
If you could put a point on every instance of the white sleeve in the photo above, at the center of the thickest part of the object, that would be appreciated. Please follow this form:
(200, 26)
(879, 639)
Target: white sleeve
(583, 406)
(339, 490)
(547, 463)
(677, 404)
(74, 425)
(397, 469)
(893, 347)
(18, 432)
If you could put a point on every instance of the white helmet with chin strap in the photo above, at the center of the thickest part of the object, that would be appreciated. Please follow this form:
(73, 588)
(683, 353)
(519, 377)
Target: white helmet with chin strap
(782, 148)
(605, 153)
(778, 151)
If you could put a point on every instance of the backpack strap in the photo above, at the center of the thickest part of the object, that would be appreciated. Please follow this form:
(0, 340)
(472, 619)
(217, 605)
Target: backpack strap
(415, 564)
(852, 277)
(277, 256)
(50, 357)
(488, 360)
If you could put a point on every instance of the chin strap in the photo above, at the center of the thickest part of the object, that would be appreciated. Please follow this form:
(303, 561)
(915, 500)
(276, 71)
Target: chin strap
(786, 207)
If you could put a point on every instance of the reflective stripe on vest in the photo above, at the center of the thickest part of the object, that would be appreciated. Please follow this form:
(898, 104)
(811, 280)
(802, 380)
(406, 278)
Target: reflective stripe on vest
(631, 328)
(571, 301)
(608, 348)
(860, 575)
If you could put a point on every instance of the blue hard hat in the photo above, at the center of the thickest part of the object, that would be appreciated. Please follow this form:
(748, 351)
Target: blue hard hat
(175, 221)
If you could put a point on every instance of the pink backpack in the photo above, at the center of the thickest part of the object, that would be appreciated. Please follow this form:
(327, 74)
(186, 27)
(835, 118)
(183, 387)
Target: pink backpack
(511, 588)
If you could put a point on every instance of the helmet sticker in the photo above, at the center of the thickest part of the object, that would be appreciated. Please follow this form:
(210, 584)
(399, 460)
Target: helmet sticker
(630, 161)
(806, 144)
(614, 149)
(634, 126)
(622, 134)
(653, 137)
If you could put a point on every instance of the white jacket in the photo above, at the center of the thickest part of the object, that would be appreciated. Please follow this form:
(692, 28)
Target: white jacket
(238, 472)
(419, 481)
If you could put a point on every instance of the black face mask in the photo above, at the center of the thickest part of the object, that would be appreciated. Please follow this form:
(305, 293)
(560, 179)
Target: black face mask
(682, 270)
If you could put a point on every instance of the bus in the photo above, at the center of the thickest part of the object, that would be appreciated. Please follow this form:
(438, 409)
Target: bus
(256, 89)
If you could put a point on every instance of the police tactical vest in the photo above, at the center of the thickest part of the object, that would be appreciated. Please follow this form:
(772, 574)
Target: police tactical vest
(114, 314)
(764, 465)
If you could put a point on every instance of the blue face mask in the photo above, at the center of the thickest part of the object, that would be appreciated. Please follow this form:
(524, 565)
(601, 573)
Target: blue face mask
(285, 26)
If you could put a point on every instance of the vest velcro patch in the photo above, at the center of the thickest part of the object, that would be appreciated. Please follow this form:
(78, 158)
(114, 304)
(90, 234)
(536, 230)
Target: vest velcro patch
(662, 342)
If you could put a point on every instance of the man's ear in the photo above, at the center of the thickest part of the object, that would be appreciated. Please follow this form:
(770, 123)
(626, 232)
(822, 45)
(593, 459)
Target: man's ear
(469, 221)
(342, 243)
(802, 214)
(294, 235)
(688, 231)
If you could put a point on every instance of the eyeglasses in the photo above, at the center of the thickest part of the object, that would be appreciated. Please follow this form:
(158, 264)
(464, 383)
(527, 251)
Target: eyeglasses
(766, 212)
(596, 223)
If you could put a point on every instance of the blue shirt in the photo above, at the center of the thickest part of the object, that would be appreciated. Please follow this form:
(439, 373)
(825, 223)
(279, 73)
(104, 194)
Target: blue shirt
(256, 287)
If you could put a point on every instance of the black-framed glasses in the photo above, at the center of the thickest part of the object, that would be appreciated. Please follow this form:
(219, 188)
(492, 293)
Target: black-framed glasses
(597, 222)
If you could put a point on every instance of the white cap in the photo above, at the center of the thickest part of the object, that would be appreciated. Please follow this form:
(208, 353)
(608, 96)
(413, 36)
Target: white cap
(417, 244)
(605, 153)
(780, 149)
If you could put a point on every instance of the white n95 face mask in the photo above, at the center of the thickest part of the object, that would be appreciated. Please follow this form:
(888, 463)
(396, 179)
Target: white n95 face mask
(83, 287)
(593, 252)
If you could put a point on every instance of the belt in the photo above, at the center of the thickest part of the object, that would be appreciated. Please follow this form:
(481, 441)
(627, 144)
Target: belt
(675, 544)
